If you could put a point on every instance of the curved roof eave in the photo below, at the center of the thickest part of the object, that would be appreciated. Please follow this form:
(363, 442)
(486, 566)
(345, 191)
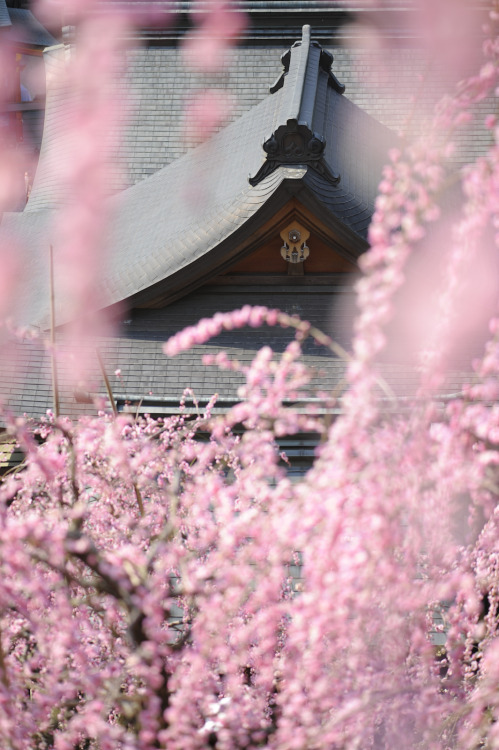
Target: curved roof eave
(160, 268)
(187, 220)
(202, 247)
(171, 222)
(279, 188)
(157, 226)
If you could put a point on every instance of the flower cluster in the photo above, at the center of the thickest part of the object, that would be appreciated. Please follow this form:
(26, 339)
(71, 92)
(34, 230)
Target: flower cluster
(164, 583)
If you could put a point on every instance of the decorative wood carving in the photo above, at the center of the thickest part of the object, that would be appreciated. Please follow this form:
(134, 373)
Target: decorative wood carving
(294, 144)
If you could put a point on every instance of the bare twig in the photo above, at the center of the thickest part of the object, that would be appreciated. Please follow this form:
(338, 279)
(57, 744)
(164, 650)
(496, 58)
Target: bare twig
(140, 501)
(4, 677)
(112, 401)
(109, 390)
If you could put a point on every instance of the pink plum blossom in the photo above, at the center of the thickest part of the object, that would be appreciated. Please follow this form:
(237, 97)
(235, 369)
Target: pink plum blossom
(165, 584)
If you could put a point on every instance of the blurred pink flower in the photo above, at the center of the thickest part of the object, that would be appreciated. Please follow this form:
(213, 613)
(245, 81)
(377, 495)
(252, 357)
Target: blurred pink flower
(417, 315)
(58, 12)
(446, 44)
(219, 23)
(95, 115)
(205, 112)
(451, 33)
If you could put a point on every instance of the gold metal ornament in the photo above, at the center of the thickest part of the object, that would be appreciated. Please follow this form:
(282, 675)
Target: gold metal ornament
(295, 248)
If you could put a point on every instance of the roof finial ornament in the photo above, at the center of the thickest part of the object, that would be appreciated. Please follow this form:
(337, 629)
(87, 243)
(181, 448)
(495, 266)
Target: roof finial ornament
(325, 62)
(299, 138)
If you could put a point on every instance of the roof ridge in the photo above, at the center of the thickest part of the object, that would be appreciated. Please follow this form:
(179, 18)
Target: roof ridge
(300, 61)
(306, 67)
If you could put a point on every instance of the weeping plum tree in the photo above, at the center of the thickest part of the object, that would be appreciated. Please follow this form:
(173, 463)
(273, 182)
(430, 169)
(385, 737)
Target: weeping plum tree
(146, 595)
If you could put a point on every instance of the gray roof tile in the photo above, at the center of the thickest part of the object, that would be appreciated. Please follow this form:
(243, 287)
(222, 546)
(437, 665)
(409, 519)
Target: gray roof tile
(26, 28)
(159, 231)
(4, 14)
(140, 341)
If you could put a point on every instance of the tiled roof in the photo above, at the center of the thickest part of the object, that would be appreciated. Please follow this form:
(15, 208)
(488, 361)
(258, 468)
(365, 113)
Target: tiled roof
(179, 224)
(47, 192)
(186, 210)
(391, 84)
(4, 14)
(391, 87)
(156, 134)
(25, 376)
(26, 29)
